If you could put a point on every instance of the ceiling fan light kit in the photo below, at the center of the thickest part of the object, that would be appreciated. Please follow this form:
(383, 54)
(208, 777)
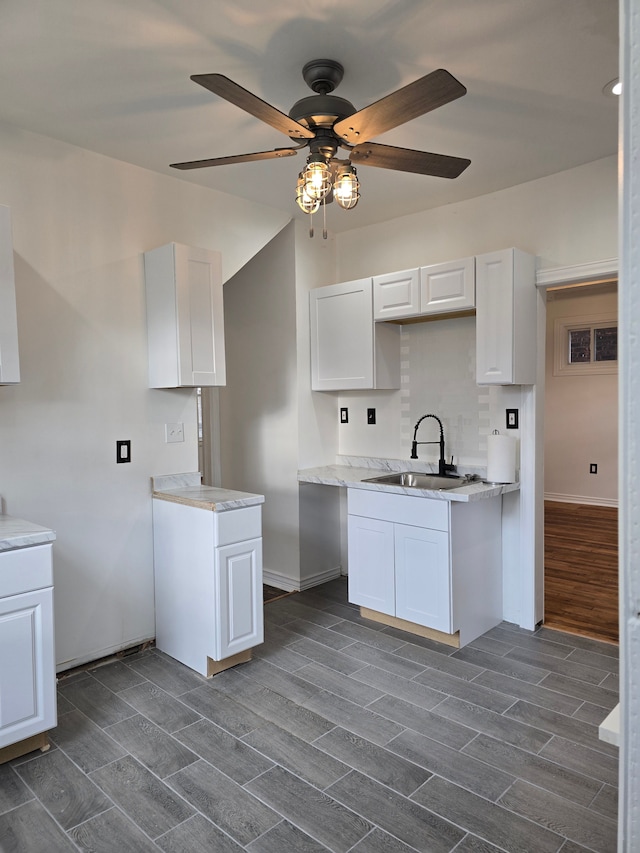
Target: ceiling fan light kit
(326, 123)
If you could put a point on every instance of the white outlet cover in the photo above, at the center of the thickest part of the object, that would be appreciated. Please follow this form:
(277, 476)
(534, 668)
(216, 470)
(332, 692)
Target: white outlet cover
(173, 433)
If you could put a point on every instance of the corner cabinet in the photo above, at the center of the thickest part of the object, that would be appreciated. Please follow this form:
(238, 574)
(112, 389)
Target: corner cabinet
(430, 563)
(27, 662)
(185, 320)
(9, 360)
(208, 584)
(348, 350)
(506, 318)
(436, 289)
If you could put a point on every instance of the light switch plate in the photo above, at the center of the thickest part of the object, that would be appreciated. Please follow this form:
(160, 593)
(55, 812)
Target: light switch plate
(173, 432)
(512, 419)
(123, 451)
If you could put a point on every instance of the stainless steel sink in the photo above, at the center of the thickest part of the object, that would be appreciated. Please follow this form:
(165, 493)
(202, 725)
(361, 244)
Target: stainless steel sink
(418, 481)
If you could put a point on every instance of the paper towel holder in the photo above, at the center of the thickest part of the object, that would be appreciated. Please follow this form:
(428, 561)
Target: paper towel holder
(505, 475)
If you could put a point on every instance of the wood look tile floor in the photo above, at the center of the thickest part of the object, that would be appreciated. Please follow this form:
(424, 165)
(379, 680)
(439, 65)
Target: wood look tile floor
(340, 735)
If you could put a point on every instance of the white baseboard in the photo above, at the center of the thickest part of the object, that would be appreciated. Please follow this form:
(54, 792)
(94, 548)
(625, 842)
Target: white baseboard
(321, 577)
(285, 583)
(280, 581)
(98, 654)
(579, 499)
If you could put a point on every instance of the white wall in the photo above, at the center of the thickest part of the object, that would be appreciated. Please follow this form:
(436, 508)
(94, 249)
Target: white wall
(271, 423)
(80, 225)
(319, 506)
(258, 412)
(565, 219)
(581, 413)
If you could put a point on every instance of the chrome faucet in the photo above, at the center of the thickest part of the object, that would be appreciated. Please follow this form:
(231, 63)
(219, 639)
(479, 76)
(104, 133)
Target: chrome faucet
(443, 467)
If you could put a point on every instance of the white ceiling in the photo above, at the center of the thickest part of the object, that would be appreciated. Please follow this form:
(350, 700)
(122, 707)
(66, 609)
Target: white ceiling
(112, 76)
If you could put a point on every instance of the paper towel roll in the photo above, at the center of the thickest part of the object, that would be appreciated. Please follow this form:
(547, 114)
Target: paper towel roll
(501, 458)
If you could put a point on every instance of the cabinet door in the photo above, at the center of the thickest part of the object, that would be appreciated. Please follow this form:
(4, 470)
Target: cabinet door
(342, 336)
(9, 363)
(447, 288)
(184, 317)
(396, 295)
(506, 318)
(423, 577)
(27, 666)
(238, 581)
(371, 564)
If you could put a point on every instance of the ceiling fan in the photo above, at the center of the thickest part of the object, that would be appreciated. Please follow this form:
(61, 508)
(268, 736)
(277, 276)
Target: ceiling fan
(325, 123)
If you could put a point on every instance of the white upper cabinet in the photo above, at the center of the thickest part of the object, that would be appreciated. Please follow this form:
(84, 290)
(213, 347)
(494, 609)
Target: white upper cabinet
(506, 318)
(185, 319)
(396, 294)
(436, 289)
(349, 351)
(9, 361)
(449, 287)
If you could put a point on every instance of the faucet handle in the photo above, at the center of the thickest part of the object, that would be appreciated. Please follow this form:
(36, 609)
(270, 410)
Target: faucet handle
(449, 466)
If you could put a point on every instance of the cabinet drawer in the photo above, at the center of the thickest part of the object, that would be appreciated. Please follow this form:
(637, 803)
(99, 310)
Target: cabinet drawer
(401, 509)
(25, 569)
(236, 525)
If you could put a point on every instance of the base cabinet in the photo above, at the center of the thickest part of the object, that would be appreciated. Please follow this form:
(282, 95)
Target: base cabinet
(208, 582)
(238, 580)
(27, 659)
(422, 562)
(434, 563)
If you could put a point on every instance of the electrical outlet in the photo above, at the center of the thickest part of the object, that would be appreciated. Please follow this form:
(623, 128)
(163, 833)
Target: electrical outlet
(371, 416)
(344, 415)
(173, 432)
(593, 468)
(123, 451)
(512, 418)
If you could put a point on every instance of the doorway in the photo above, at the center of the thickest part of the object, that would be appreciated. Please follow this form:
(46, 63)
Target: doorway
(581, 460)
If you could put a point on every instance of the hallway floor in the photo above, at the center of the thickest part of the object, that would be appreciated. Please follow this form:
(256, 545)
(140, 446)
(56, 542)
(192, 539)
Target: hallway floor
(339, 735)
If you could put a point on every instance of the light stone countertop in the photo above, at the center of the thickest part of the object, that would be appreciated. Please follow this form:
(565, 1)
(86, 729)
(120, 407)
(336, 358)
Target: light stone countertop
(186, 489)
(356, 470)
(16, 533)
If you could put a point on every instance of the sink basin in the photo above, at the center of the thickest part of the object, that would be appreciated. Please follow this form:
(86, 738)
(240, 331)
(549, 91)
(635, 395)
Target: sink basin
(418, 481)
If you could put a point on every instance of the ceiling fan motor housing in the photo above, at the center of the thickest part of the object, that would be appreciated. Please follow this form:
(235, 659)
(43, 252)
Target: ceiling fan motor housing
(322, 75)
(321, 110)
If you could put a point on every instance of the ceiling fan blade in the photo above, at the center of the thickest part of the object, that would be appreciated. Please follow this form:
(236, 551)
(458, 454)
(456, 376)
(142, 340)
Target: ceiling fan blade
(237, 158)
(407, 160)
(416, 99)
(250, 103)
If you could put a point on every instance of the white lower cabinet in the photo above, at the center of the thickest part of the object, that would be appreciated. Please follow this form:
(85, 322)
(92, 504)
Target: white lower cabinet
(238, 577)
(371, 545)
(27, 658)
(434, 563)
(208, 583)
(422, 562)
